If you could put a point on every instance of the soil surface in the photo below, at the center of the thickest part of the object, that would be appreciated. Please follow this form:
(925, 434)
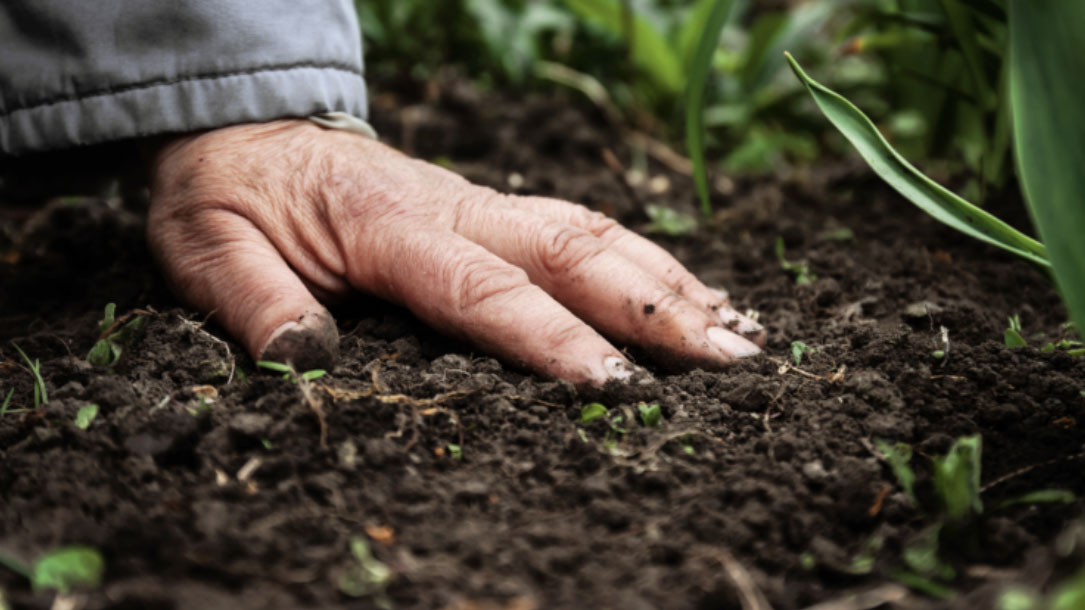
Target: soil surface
(204, 483)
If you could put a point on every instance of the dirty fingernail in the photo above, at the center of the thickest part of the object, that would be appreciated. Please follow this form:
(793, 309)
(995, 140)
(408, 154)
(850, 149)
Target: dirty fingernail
(740, 324)
(730, 343)
(618, 368)
(310, 342)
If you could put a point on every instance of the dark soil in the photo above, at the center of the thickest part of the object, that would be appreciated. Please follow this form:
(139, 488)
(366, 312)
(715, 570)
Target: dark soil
(761, 470)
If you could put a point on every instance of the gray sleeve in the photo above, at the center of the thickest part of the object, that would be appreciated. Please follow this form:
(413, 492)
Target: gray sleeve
(76, 73)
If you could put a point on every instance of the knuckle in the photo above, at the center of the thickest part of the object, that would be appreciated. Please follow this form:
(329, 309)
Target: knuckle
(599, 224)
(565, 248)
(478, 282)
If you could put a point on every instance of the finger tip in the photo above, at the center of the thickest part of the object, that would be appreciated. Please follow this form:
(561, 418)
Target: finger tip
(309, 342)
(732, 344)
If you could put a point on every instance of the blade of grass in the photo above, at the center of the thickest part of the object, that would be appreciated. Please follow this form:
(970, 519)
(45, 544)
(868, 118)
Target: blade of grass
(1047, 56)
(964, 34)
(698, 77)
(928, 195)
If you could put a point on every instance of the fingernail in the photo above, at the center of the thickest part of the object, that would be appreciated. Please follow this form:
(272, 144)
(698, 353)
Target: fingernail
(722, 294)
(739, 323)
(618, 368)
(310, 342)
(730, 343)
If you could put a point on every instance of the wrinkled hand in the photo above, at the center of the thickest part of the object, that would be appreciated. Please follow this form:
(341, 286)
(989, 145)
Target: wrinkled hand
(250, 222)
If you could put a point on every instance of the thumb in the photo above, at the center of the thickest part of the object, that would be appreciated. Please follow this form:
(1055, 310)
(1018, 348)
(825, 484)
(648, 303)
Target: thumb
(221, 263)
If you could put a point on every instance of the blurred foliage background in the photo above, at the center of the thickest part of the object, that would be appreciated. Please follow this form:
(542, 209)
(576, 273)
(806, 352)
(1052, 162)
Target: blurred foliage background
(928, 72)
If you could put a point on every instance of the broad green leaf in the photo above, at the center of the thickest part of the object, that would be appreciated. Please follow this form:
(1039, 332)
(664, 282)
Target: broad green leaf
(650, 414)
(1047, 59)
(85, 416)
(931, 197)
(698, 78)
(67, 568)
(591, 412)
(957, 479)
(651, 52)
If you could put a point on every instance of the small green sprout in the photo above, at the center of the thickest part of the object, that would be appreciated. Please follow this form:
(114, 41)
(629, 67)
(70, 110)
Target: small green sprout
(666, 221)
(455, 451)
(266, 443)
(85, 416)
(938, 354)
(40, 397)
(289, 373)
(800, 269)
(839, 234)
(799, 349)
(7, 401)
(650, 415)
(62, 569)
(898, 455)
(1012, 337)
(592, 411)
(1070, 346)
(108, 349)
(368, 576)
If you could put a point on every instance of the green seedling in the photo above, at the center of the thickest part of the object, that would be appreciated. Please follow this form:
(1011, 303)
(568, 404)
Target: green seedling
(7, 401)
(203, 407)
(665, 221)
(85, 416)
(798, 350)
(938, 354)
(957, 479)
(799, 269)
(114, 336)
(1067, 595)
(266, 443)
(1012, 336)
(1071, 347)
(40, 396)
(289, 373)
(840, 234)
(455, 451)
(592, 411)
(367, 576)
(650, 415)
(62, 569)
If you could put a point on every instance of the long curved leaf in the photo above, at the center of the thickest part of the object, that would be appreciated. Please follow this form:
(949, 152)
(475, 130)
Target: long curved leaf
(1047, 57)
(698, 77)
(928, 195)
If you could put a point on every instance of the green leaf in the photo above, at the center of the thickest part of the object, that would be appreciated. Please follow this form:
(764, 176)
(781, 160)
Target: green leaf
(455, 451)
(1018, 599)
(313, 374)
(1012, 338)
(941, 203)
(85, 416)
(667, 221)
(7, 401)
(695, 87)
(798, 348)
(1041, 496)
(1047, 56)
(966, 37)
(651, 52)
(898, 455)
(99, 355)
(1070, 595)
(278, 367)
(368, 575)
(921, 555)
(651, 415)
(591, 412)
(957, 479)
(109, 317)
(67, 568)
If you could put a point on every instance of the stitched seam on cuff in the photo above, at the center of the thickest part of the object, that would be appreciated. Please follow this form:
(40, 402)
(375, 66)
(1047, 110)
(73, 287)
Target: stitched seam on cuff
(181, 79)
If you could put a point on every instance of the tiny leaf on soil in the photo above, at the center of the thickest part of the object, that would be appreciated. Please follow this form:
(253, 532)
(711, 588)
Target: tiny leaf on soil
(278, 367)
(798, 348)
(313, 374)
(957, 479)
(670, 222)
(67, 568)
(898, 455)
(591, 412)
(85, 416)
(650, 414)
(455, 451)
(1041, 496)
(368, 575)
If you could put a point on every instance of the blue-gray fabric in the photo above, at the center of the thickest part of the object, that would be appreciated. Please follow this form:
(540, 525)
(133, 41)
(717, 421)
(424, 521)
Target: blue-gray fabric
(78, 72)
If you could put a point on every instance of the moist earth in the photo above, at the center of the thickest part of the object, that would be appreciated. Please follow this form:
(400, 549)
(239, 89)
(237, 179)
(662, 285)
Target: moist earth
(208, 483)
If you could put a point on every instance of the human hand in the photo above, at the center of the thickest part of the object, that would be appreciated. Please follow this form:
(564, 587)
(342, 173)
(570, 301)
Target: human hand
(251, 221)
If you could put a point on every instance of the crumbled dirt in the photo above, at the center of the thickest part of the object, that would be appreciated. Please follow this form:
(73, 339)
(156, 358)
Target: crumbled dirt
(204, 484)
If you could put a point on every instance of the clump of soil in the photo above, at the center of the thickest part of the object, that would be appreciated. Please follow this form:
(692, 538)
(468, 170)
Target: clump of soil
(204, 483)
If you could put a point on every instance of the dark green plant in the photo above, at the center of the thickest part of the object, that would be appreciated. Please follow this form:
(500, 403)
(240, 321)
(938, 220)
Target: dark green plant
(592, 412)
(1039, 103)
(114, 337)
(1012, 335)
(63, 569)
(650, 415)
